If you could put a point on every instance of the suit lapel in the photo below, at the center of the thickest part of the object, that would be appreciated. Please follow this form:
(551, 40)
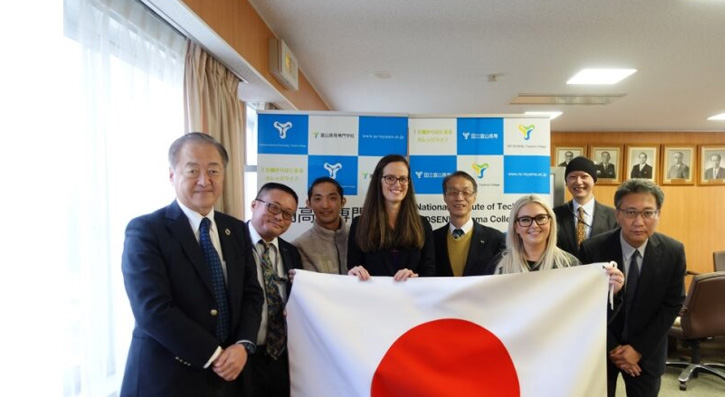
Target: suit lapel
(477, 244)
(178, 225)
(568, 226)
(234, 264)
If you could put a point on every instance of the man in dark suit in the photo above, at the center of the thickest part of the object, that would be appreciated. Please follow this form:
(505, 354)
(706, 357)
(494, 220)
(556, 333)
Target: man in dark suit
(655, 268)
(463, 247)
(192, 284)
(582, 217)
(605, 169)
(568, 155)
(715, 172)
(642, 170)
(267, 374)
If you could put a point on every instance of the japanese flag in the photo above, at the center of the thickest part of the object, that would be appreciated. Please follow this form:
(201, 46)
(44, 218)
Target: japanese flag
(533, 334)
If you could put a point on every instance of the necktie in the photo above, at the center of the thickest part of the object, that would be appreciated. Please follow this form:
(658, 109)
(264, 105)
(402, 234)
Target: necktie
(217, 278)
(581, 227)
(457, 233)
(276, 325)
(631, 290)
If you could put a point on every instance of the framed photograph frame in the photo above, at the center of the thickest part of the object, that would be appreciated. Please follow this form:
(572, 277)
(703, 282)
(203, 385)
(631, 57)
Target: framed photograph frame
(712, 166)
(608, 162)
(562, 154)
(642, 161)
(679, 164)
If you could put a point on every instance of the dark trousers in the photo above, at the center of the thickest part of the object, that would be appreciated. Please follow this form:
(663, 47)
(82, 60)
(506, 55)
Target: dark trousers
(264, 376)
(644, 385)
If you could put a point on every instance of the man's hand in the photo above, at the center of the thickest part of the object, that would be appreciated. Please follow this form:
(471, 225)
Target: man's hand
(230, 362)
(626, 359)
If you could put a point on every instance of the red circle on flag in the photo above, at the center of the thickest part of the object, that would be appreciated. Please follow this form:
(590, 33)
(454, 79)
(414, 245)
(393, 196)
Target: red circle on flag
(448, 357)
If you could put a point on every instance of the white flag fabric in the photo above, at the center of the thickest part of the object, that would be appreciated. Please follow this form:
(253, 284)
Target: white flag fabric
(532, 334)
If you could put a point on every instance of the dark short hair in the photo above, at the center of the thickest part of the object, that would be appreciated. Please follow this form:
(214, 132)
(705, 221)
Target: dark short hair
(716, 154)
(460, 174)
(276, 186)
(195, 137)
(631, 186)
(325, 179)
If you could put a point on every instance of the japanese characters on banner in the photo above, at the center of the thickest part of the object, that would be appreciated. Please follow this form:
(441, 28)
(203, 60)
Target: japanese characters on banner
(508, 156)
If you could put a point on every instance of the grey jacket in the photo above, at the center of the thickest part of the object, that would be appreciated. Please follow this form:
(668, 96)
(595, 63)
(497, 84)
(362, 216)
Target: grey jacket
(323, 250)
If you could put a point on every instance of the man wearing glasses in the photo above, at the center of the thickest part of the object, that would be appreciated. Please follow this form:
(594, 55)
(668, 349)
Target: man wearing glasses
(654, 265)
(267, 373)
(463, 246)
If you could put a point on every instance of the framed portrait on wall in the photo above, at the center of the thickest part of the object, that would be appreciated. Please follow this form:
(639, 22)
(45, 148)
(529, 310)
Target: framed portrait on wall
(608, 162)
(679, 164)
(642, 162)
(712, 167)
(564, 154)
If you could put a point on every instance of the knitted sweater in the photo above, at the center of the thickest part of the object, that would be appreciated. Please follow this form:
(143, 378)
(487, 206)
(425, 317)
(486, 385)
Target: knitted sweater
(323, 250)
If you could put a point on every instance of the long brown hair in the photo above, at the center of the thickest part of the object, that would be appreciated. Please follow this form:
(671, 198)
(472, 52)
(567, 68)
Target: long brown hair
(373, 230)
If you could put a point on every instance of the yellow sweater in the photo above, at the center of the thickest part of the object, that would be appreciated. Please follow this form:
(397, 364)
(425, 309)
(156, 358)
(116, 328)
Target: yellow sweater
(458, 252)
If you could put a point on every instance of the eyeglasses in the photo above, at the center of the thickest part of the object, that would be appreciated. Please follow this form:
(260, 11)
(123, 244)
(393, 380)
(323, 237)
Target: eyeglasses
(526, 221)
(455, 193)
(646, 214)
(275, 209)
(391, 179)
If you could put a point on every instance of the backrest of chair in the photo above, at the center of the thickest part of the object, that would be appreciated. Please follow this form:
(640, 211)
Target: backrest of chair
(703, 313)
(718, 260)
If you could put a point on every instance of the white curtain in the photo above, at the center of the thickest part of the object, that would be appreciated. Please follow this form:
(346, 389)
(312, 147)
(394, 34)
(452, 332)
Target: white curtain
(125, 97)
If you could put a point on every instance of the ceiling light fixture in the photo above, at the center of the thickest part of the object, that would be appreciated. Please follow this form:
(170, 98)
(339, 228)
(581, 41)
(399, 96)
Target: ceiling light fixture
(600, 76)
(718, 117)
(552, 114)
(549, 99)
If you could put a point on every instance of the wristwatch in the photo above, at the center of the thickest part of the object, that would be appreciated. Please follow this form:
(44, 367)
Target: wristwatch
(249, 347)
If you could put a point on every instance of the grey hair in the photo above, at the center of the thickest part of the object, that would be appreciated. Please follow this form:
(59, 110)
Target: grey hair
(196, 137)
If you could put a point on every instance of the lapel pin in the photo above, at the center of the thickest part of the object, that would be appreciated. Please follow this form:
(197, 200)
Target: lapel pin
(227, 232)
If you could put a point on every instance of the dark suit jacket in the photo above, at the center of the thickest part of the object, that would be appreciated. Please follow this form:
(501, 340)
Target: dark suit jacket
(486, 242)
(605, 172)
(603, 220)
(659, 296)
(720, 173)
(380, 263)
(170, 290)
(645, 173)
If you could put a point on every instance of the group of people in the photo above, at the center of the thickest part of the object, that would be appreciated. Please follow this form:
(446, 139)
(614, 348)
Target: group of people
(208, 291)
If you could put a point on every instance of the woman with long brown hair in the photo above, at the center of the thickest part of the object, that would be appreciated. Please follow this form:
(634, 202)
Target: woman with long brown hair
(390, 238)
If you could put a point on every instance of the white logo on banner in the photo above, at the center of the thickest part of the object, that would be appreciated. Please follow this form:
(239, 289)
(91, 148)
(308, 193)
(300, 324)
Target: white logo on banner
(332, 169)
(466, 134)
(418, 174)
(282, 128)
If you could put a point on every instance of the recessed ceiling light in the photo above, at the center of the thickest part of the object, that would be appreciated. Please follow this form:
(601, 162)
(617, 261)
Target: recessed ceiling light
(720, 116)
(381, 75)
(552, 115)
(600, 76)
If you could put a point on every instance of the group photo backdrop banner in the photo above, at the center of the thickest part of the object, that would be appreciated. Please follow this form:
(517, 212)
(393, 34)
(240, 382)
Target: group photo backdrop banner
(508, 156)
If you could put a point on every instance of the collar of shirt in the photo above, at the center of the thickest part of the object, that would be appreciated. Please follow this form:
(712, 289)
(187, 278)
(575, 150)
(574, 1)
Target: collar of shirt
(255, 237)
(466, 227)
(628, 250)
(588, 211)
(195, 219)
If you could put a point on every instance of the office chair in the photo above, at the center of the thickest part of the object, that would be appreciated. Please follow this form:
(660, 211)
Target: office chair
(718, 261)
(702, 316)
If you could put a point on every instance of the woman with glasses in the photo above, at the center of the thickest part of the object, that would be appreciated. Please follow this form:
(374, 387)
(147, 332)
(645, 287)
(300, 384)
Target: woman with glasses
(531, 240)
(390, 238)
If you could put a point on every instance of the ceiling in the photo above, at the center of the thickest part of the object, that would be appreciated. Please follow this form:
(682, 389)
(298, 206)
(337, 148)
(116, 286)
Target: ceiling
(440, 54)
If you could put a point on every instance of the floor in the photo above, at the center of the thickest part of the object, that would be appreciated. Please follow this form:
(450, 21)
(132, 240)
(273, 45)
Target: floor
(705, 385)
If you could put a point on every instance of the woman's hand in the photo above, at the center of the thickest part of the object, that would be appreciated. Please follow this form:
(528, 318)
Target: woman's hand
(404, 274)
(360, 272)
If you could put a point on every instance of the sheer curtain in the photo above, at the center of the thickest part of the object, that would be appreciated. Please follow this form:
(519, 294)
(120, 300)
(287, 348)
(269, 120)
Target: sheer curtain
(124, 79)
(213, 107)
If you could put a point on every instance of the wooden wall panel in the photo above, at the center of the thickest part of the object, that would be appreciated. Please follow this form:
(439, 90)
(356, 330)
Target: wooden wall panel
(694, 215)
(238, 23)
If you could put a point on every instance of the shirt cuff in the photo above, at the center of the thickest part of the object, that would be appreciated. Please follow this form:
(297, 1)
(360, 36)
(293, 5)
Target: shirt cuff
(214, 356)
